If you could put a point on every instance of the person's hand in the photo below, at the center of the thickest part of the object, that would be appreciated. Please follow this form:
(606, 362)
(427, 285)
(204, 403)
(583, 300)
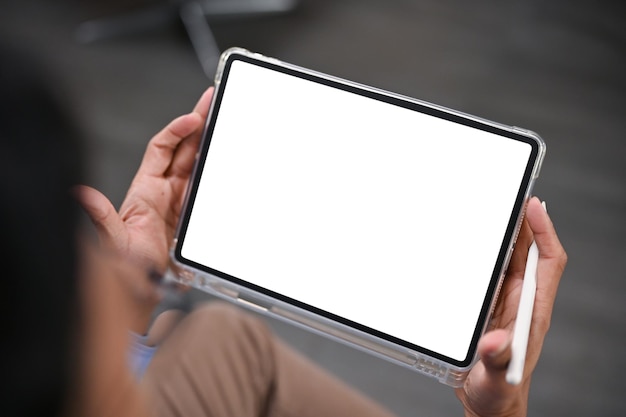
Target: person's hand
(485, 392)
(143, 228)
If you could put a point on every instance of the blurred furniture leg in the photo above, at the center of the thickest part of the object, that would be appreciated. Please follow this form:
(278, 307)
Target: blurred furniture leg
(192, 13)
(200, 35)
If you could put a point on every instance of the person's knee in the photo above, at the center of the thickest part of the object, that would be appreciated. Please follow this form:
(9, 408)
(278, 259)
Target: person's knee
(230, 326)
(234, 336)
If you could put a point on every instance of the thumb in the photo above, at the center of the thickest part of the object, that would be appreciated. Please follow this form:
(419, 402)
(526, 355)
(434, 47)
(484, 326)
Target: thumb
(495, 352)
(109, 225)
(486, 391)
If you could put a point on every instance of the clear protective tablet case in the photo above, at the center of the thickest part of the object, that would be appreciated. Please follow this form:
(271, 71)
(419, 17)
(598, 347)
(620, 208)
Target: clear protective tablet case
(421, 360)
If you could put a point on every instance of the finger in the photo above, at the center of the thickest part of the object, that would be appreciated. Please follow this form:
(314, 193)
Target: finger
(543, 230)
(202, 107)
(518, 260)
(514, 278)
(103, 215)
(184, 157)
(552, 256)
(494, 349)
(486, 387)
(163, 145)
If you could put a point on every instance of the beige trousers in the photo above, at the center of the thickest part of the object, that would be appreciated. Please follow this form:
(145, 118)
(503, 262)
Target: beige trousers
(221, 362)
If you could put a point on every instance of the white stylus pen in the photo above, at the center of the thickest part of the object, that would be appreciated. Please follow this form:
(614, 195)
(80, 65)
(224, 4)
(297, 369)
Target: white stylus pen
(521, 331)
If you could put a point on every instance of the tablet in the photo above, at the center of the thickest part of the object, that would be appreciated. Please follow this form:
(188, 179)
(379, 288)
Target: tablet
(375, 219)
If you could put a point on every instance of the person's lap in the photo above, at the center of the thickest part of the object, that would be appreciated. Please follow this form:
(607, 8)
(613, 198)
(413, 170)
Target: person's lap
(220, 361)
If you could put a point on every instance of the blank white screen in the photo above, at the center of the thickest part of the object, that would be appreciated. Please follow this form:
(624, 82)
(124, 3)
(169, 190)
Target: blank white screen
(379, 214)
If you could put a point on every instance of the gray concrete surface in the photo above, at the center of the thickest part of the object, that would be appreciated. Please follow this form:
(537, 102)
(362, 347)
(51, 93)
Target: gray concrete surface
(556, 67)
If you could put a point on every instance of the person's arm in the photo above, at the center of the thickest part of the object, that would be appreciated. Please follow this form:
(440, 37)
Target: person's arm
(143, 229)
(105, 385)
(117, 289)
(486, 392)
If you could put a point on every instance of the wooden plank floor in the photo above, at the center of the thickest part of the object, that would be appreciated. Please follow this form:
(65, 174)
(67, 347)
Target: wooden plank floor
(556, 67)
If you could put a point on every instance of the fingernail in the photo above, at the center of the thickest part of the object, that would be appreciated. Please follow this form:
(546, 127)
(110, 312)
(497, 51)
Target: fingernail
(500, 350)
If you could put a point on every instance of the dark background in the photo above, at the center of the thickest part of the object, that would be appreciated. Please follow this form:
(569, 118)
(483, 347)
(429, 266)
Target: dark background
(556, 67)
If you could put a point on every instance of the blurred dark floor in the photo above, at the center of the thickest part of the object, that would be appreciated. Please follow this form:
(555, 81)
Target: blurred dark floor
(556, 67)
